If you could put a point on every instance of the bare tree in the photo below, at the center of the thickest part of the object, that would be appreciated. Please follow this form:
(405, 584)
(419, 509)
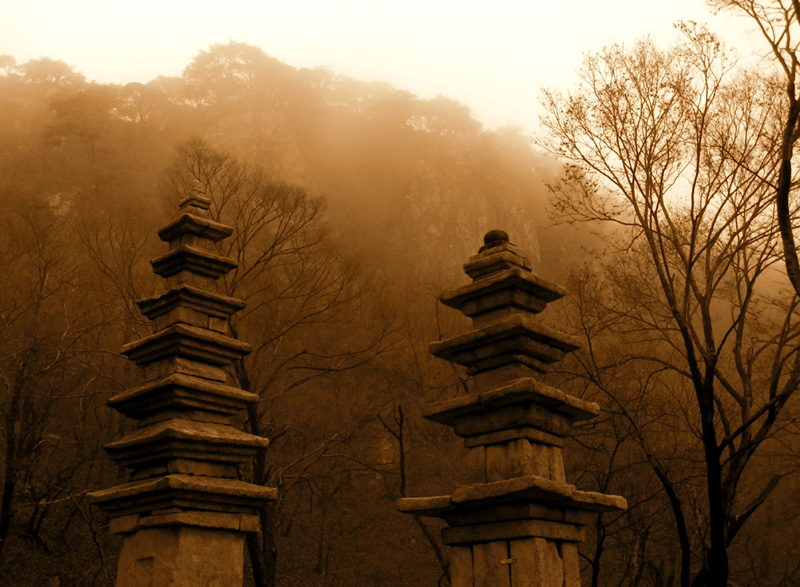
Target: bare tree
(779, 23)
(668, 146)
(45, 328)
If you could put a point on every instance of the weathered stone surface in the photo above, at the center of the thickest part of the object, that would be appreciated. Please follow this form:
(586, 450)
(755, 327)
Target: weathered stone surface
(178, 391)
(517, 392)
(195, 202)
(536, 488)
(510, 288)
(181, 556)
(502, 436)
(184, 492)
(474, 298)
(598, 502)
(490, 564)
(181, 466)
(519, 458)
(124, 524)
(517, 335)
(493, 378)
(507, 530)
(203, 302)
(537, 563)
(170, 365)
(497, 258)
(221, 521)
(466, 514)
(189, 342)
(196, 226)
(502, 360)
(461, 574)
(497, 513)
(518, 510)
(513, 416)
(178, 438)
(529, 389)
(572, 565)
(194, 260)
(430, 506)
(475, 464)
(556, 462)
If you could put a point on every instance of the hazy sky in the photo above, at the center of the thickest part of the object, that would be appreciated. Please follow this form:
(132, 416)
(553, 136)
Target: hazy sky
(493, 57)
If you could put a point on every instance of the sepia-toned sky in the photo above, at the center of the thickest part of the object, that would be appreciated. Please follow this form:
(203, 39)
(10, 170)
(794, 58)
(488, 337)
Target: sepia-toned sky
(493, 57)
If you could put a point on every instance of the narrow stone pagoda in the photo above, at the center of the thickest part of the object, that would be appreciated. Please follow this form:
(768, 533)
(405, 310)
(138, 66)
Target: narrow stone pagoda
(184, 512)
(518, 522)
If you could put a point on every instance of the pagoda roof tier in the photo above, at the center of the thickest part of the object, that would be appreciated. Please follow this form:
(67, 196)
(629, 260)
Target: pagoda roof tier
(512, 339)
(513, 287)
(194, 259)
(520, 391)
(188, 223)
(179, 438)
(193, 298)
(493, 257)
(191, 342)
(181, 392)
(196, 199)
(184, 492)
(531, 488)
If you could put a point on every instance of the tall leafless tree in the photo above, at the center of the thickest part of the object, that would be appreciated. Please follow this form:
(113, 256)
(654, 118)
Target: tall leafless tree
(669, 147)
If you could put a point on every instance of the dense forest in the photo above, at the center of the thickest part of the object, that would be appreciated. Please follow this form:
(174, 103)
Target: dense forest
(354, 205)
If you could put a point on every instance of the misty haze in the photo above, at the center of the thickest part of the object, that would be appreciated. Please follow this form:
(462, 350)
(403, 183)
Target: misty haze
(279, 326)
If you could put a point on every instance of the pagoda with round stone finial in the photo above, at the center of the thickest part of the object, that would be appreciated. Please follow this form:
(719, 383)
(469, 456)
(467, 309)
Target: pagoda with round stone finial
(518, 522)
(184, 512)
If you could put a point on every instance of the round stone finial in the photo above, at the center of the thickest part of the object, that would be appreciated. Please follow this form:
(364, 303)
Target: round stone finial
(495, 237)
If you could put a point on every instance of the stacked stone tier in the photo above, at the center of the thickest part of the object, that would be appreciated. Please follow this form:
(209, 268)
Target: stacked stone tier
(178, 438)
(513, 508)
(192, 305)
(185, 455)
(471, 498)
(180, 392)
(188, 342)
(517, 404)
(182, 493)
(189, 228)
(495, 256)
(518, 338)
(192, 259)
(517, 522)
(515, 287)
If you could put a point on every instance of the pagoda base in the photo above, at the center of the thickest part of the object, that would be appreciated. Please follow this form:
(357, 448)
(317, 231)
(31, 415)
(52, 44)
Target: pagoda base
(521, 532)
(524, 562)
(181, 556)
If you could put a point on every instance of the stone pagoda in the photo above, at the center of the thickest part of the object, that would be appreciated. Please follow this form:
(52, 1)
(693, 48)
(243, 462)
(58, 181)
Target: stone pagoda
(184, 512)
(518, 522)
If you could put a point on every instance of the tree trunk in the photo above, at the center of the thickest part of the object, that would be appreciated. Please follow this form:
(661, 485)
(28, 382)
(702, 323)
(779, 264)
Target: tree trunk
(598, 550)
(717, 552)
(262, 576)
(782, 192)
(261, 547)
(269, 548)
(401, 443)
(680, 522)
(10, 474)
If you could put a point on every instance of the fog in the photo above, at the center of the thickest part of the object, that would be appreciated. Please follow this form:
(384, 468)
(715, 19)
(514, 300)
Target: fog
(493, 59)
(360, 156)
